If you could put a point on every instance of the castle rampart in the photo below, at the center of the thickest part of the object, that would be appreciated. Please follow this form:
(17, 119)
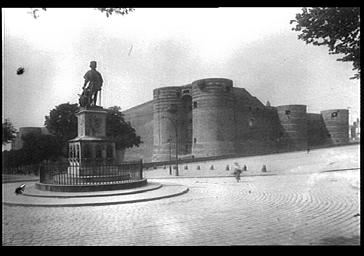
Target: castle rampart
(213, 118)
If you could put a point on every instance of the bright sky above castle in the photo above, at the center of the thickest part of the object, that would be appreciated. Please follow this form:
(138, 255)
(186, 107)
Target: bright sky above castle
(151, 48)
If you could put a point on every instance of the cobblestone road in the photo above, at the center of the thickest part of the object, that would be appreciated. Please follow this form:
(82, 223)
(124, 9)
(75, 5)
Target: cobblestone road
(319, 208)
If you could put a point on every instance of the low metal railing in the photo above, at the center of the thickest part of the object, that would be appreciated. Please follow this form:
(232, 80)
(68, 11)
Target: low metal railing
(66, 174)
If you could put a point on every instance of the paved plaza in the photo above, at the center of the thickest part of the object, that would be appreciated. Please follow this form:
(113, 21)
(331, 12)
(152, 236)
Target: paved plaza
(300, 209)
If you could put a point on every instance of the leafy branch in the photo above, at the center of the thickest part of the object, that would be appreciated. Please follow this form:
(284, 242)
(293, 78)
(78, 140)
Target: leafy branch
(336, 27)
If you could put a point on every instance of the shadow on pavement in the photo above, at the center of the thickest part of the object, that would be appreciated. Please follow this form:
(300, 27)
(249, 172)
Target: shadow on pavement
(340, 240)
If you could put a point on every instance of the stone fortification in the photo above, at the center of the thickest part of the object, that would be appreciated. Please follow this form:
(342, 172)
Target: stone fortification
(211, 117)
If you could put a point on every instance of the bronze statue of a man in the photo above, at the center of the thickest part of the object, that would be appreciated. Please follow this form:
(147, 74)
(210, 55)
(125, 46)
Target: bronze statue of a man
(94, 78)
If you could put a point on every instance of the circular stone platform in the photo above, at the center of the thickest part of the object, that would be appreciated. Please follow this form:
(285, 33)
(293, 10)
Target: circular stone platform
(91, 187)
(33, 190)
(35, 197)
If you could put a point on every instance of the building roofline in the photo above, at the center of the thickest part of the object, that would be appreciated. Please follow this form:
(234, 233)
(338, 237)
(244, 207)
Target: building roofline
(132, 108)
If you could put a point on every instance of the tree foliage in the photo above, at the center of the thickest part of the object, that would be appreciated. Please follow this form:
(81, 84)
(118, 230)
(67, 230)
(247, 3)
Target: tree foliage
(62, 122)
(108, 11)
(36, 148)
(119, 130)
(14, 158)
(39, 147)
(336, 27)
(8, 131)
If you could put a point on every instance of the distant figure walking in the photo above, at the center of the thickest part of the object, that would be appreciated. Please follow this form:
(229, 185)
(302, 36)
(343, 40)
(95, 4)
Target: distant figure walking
(245, 168)
(237, 171)
(308, 150)
(264, 168)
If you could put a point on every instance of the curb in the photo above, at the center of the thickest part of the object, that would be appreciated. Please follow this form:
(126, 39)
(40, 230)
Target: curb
(130, 184)
(183, 190)
(197, 177)
(98, 204)
(252, 175)
(81, 196)
(340, 170)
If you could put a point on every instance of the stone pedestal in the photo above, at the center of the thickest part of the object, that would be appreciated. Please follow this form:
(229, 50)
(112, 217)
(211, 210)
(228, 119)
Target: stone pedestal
(91, 147)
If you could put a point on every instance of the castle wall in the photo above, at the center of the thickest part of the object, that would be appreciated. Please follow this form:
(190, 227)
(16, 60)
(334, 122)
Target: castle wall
(186, 131)
(213, 117)
(337, 125)
(170, 117)
(293, 119)
(256, 125)
(317, 133)
(141, 119)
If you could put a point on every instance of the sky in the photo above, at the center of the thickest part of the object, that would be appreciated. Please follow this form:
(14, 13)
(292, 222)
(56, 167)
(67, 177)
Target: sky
(151, 48)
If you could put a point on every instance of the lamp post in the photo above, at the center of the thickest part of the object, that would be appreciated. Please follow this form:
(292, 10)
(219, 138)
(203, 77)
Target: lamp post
(170, 155)
(174, 122)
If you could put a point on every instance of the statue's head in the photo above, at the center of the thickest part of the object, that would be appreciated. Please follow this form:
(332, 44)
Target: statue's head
(93, 64)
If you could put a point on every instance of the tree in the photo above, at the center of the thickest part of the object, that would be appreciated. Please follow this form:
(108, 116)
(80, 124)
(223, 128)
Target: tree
(110, 11)
(336, 27)
(107, 11)
(13, 158)
(8, 131)
(62, 123)
(36, 148)
(39, 147)
(119, 130)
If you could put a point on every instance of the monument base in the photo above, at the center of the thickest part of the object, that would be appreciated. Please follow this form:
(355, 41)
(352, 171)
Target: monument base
(91, 187)
(91, 170)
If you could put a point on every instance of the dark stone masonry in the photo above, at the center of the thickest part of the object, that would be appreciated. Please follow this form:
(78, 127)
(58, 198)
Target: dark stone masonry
(212, 118)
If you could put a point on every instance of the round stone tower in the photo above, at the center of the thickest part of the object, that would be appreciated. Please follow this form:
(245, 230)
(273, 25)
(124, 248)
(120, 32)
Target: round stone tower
(167, 104)
(213, 117)
(293, 119)
(337, 124)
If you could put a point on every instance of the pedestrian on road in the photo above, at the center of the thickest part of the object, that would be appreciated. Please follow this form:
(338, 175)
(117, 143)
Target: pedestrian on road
(245, 168)
(264, 168)
(237, 171)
